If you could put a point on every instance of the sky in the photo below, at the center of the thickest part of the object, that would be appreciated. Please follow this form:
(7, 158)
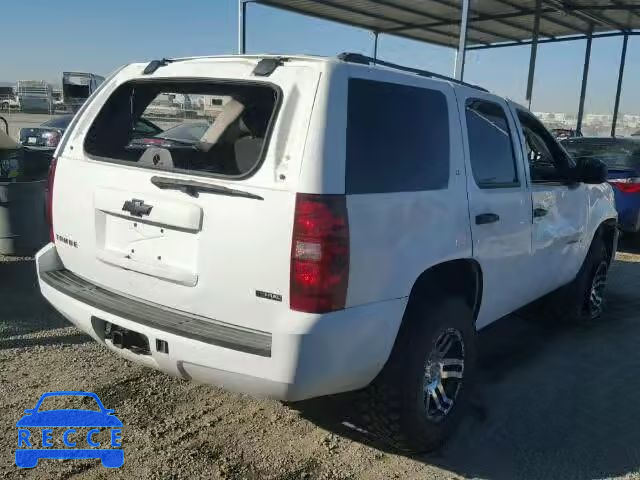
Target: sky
(98, 36)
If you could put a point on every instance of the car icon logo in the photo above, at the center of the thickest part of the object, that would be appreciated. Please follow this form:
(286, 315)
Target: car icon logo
(80, 427)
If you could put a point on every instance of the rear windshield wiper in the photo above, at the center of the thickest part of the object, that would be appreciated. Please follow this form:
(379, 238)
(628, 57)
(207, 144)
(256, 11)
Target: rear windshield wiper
(193, 187)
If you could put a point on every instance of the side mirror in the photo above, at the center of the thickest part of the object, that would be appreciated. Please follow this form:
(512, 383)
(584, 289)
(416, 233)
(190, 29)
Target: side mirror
(591, 171)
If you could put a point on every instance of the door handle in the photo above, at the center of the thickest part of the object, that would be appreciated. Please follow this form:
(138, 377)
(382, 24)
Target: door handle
(485, 218)
(539, 212)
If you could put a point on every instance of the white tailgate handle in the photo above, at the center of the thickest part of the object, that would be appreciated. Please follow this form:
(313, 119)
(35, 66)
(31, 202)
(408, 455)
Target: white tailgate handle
(161, 211)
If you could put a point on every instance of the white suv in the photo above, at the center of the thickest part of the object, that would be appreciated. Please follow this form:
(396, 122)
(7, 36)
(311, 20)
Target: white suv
(337, 226)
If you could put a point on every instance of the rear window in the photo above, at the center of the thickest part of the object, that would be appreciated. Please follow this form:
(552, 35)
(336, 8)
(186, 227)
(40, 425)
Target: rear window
(218, 129)
(76, 91)
(397, 138)
(614, 152)
(58, 122)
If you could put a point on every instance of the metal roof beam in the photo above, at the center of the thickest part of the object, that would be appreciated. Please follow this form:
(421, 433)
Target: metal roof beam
(431, 16)
(502, 21)
(384, 18)
(542, 17)
(482, 18)
(627, 8)
(570, 38)
(617, 6)
(271, 4)
(577, 12)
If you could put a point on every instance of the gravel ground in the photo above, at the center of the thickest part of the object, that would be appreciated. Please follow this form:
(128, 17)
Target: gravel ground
(553, 403)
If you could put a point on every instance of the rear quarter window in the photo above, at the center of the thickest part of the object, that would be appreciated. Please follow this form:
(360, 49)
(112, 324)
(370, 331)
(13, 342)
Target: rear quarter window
(237, 119)
(397, 138)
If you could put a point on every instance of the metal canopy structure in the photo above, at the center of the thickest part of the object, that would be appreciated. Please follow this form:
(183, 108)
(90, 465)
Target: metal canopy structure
(489, 21)
(479, 24)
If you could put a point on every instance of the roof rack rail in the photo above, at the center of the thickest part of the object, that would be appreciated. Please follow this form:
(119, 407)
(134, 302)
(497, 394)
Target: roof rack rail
(365, 60)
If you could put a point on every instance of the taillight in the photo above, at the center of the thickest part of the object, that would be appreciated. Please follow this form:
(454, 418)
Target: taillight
(49, 197)
(319, 254)
(156, 141)
(626, 185)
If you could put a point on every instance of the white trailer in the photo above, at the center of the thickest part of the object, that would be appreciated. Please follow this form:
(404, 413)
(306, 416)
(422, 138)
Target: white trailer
(77, 87)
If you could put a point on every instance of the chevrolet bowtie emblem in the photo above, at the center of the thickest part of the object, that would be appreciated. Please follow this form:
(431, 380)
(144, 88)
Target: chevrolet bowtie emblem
(136, 207)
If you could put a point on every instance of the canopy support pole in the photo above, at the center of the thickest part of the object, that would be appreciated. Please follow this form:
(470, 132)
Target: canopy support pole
(242, 36)
(623, 59)
(375, 47)
(462, 41)
(585, 76)
(534, 52)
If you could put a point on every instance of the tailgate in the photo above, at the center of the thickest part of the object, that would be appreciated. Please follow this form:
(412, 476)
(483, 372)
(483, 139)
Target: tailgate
(208, 253)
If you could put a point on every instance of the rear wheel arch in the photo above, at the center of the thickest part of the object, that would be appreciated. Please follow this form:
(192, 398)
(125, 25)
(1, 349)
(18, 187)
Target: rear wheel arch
(460, 277)
(607, 231)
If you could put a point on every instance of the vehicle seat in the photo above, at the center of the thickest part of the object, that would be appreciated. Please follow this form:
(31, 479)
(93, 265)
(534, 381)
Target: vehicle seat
(247, 149)
(224, 127)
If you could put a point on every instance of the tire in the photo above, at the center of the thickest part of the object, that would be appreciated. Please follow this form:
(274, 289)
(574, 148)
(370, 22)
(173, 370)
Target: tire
(404, 405)
(582, 301)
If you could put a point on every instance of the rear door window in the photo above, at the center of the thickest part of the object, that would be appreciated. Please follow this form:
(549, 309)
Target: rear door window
(490, 145)
(397, 138)
(218, 129)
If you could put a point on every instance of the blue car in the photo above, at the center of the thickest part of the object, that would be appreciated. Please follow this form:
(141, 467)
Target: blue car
(622, 157)
(69, 418)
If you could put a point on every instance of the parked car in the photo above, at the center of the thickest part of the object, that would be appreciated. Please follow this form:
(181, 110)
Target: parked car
(9, 103)
(47, 135)
(561, 133)
(622, 157)
(183, 135)
(340, 226)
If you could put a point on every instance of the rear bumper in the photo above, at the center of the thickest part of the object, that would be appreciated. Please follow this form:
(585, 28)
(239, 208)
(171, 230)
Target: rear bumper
(338, 352)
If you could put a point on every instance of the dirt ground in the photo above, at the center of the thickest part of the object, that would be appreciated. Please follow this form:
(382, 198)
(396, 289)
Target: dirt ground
(554, 403)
